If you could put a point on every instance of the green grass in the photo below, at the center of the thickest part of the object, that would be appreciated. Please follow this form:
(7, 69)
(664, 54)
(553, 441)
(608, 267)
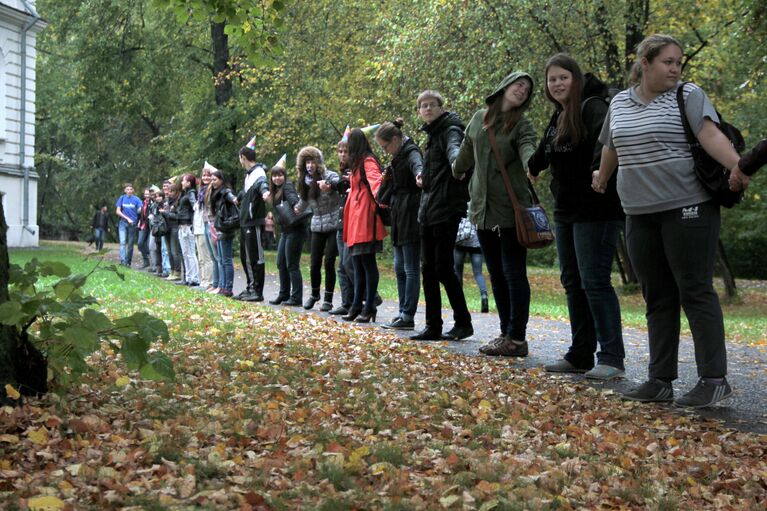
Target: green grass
(745, 318)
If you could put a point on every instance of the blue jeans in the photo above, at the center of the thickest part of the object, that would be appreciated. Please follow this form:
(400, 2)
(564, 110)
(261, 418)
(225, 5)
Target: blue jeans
(143, 244)
(506, 262)
(407, 262)
(225, 264)
(476, 267)
(164, 254)
(586, 251)
(127, 239)
(345, 271)
(98, 238)
(365, 282)
(289, 264)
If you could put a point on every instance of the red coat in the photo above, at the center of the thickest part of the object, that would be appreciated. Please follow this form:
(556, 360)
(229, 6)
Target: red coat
(360, 209)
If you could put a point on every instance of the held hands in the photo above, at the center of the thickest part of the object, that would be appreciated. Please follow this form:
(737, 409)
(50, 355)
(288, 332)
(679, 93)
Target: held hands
(596, 185)
(324, 185)
(533, 179)
(267, 197)
(738, 180)
(419, 180)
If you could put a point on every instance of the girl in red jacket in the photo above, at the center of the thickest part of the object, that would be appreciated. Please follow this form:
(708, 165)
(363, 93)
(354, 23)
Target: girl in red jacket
(364, 230)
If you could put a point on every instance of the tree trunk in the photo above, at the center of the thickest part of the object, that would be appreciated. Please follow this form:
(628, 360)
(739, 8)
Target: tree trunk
(726, 271)
(612, 61)
(21, 364)
(624, 263)
(637, 17)
(221, 67)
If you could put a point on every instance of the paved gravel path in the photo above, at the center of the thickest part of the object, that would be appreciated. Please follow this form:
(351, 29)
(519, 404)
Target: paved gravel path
(746, 410)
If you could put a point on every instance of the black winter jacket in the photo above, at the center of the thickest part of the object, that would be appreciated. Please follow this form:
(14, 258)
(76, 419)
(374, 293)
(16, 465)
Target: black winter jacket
(444, 198)
(252, 206)
(571, 166)
(290, 196)
(183, 213)
(406, 196)
(218, 201)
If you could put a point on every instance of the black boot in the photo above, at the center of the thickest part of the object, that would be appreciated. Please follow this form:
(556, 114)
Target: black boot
(327, 303)
(485, 305)
(314, 298)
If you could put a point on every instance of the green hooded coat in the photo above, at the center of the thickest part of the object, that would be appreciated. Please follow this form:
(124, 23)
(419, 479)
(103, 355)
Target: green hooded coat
(490, 203)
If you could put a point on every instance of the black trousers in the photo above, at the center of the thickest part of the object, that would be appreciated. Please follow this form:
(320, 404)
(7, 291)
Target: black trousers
(438, 267)
(323, 247)
(252, 257)
(673, 254)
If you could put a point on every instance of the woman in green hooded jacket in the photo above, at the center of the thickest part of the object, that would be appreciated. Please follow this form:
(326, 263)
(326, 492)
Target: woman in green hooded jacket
(491, 209)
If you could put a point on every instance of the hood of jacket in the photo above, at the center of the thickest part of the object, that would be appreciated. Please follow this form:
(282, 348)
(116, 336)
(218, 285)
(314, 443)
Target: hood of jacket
(511, 78)
(309, 153)
(443, 122)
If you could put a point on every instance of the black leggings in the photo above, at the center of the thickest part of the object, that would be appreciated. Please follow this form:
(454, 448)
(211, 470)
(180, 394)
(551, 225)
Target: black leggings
(323, 246)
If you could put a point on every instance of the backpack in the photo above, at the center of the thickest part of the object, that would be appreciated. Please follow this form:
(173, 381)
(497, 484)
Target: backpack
(713, 176)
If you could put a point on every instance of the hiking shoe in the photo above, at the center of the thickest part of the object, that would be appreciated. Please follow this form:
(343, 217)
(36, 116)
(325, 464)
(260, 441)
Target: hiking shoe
(704, 393)
(309, 303)
(339, 311)
(400, 324)
(653, 390)
(492, 344)
(459, 332)
(326, 306)
(292, 302)
(604, 372)
(563, 366)
(508, 347)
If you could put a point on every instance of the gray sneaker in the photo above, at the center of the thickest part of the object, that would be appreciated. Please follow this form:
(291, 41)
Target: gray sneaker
(604, 372)
(652, 390)
(704, 394)
(563, 366)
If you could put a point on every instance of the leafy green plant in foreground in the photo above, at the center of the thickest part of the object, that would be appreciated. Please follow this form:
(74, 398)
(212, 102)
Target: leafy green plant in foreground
(48, 307)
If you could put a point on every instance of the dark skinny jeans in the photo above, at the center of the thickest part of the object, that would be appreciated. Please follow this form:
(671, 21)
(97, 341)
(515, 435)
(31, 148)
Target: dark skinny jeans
(365, 282)
(289, 264)
(506, 263)
(323, 247)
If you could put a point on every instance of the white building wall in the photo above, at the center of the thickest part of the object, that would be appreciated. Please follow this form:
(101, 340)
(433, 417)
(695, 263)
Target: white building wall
(12, 165)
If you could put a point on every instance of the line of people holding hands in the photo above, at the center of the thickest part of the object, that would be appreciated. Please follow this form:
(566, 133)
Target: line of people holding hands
(620, 164)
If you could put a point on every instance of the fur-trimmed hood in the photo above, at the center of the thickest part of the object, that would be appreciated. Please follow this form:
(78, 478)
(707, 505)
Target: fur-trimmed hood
(308, 153)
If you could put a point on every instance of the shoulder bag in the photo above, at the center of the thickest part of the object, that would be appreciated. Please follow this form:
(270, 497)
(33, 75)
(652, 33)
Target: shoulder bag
(532, 224)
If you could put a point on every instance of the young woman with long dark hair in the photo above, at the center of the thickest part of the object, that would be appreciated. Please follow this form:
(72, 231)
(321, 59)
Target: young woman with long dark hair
(491, 209)
(588, 224)
(364, 230)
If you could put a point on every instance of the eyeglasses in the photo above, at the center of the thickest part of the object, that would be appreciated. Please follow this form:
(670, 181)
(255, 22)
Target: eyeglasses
(426, 106)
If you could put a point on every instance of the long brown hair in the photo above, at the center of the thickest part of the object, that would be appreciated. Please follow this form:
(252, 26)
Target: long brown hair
(273, 190)
(570, 127)
(359, 149)
(510, 118)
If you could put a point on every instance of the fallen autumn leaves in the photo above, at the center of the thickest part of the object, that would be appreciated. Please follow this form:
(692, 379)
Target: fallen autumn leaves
(278, 411)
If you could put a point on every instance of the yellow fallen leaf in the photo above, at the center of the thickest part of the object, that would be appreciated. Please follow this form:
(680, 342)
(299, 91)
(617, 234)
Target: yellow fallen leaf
(122, 381)
(11, 392)
(38, 436)
(47, 503)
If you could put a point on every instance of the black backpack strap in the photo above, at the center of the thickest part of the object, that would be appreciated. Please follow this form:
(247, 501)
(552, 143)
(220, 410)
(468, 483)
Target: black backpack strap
(691, 139)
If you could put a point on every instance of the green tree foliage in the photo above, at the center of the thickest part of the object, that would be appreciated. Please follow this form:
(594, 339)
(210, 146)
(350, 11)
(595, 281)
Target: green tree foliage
(127, 89)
